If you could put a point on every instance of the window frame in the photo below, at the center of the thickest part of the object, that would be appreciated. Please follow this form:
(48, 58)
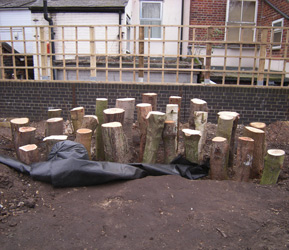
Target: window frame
(241, 22)
(277, 47)
(152, 19)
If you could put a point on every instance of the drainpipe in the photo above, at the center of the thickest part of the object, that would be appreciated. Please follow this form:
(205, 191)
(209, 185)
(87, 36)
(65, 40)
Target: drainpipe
(50, 21)
(119, 31)
(182, 23)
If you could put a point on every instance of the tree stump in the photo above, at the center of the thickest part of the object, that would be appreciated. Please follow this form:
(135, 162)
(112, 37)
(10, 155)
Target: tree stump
(201, 119)
(169, 139)
(25, 136)
(83, 136)
(150, 98)
(77, 115)
(113, 115)
(191, 144)
(219, 152)
(100, 106)
(155, 128)
(143, 110)
(54, 126)
(90, 122)
(258, 136)
(258, 125)
(172, 115)
(29, 154)
(128, 105)
(273, 164)
(196, 105)
(52, 113)
(177, 100)
(115, 144)
(244, 158)
(50, 141)
(236, 118)
(15, 124)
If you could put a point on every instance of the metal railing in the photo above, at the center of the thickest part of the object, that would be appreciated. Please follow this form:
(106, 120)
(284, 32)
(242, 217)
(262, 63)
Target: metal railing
(114, 53)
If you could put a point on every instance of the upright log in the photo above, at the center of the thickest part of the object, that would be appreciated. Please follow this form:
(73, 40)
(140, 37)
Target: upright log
(244, 158)
(155, 128)
(236, 117)
(177, 100)
(219, 152)
(100, 106)
(143, 110)
(54, 126)
(128, 105)
(25, 136)
(191, 143)
(258, 136)
(90, 122)
(196, 105)
(173, 115)
(273, 164)
(113, 115)
(83, 136)
(77, 115)
(258, 125)
(169, 139)
(201, 119)
(115, 144)
(15, 124)
(50, 141)
(29, 154)
(150, 98)
(52, 113)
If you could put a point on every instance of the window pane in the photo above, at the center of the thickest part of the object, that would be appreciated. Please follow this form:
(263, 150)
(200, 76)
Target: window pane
(248, 12)
(277, 37)
(233, 34)
(235, 11)
(154, 31)
(151, 10)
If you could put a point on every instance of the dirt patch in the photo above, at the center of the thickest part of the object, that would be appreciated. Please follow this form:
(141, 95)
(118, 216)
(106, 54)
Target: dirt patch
(151, 213)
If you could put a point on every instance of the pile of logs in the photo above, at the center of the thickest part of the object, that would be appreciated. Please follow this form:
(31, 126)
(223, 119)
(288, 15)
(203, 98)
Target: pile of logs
(112, 130)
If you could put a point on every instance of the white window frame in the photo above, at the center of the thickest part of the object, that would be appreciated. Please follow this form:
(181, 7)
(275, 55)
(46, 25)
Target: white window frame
(277, 30)
(152, 19)
(255, 18)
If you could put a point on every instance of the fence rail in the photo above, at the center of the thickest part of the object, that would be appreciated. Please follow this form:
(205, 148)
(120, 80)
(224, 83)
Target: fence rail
(127, 53)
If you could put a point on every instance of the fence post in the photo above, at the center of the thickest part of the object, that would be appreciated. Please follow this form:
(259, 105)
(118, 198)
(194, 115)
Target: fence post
(208, 55)
(1, 63)
(43, 53)
(260, 77)
(141, 52)
(92, 55)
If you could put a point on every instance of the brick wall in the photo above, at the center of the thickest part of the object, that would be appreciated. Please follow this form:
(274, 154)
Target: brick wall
(32, 99)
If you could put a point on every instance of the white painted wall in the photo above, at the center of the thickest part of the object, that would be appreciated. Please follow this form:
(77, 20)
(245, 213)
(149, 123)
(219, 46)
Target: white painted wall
(16, 17)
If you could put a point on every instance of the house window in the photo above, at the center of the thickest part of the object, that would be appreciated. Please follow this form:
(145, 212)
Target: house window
(241, 13)
(151, 14)
(277, 33)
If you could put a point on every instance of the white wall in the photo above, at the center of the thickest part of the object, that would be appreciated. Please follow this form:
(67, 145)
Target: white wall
(16, 17)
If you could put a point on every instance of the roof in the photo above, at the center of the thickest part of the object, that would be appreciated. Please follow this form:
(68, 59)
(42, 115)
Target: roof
(16, 3)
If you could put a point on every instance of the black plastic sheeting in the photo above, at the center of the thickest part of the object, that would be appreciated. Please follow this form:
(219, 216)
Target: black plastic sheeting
(68, 165)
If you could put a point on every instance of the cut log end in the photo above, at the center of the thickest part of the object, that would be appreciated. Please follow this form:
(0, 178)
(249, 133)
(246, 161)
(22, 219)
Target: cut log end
(190, 132)
(111, 125)
(56, 137)
(276, 152)
(84, 131)
(26, 129)
(113, 111)
(198, 101)
(125, 99)
(254, 130)
(246, 138)
(28, 147)
(77, 108)
(226, 117)
(101, 99)
(219, 139)
(55, 119)
(149, 94)
(158, 113)
(140, 105)
(229, 113)
(258, 125)
(20, 121)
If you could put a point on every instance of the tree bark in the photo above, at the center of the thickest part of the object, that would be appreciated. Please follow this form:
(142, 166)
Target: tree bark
(52, 113)
(177, 100)
(128, 105)
(115, 144)
(113, 115)
(155, 128)
(201, 119)
(196, 105)
(150, 98)
(143, 110)
(90, 122)
(29, 154)
(191, 144)
(258, 136)
(77, 115)
(83, 136)
(169, 139)
(219, 152)
(236, 118)
(54, 126)
(273, 164)
(15, 124)
(100, 106)
(259, 125)
(172, 115)
(51, 140)
(244, 158)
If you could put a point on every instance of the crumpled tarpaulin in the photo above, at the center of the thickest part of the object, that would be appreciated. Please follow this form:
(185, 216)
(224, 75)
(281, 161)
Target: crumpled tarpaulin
(68, 165)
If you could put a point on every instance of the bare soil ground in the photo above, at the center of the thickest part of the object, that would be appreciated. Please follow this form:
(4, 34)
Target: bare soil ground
(167, 212)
